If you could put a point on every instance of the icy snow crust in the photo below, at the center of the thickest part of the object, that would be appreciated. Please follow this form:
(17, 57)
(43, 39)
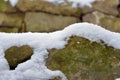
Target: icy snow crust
(75, 3)
(35, 69)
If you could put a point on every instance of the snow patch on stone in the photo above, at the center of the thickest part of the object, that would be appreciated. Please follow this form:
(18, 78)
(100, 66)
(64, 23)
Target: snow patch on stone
(75, 3)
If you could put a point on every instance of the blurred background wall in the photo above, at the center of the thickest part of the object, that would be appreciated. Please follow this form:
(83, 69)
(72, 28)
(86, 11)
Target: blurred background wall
(42, 16)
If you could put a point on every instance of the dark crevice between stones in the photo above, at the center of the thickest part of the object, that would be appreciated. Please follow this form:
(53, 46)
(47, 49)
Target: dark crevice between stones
(118, 8)
(16, 55)
(81, 17)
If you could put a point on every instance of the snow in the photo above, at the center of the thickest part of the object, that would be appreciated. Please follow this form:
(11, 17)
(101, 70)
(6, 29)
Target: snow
(82, 3)
(75, 3)
(35, 68)
(13, 2)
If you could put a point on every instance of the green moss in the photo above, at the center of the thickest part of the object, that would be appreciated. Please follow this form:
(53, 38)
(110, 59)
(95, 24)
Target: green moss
(16, 55)
(83, 60)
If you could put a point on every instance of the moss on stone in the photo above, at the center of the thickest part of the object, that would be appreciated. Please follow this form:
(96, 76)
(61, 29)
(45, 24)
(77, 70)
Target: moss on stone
(83, 60)
(16, 55)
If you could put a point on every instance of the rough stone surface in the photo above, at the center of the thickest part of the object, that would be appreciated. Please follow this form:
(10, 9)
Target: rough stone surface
(16, 55)
(9, 30)
(107, 21)
(41, 5)
(83, 60)
(11, 20)
(57, 16)
(42, 22)
(106, 6)
(6, 7)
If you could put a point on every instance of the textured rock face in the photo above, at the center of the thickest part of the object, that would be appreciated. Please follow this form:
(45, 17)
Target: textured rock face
(40, 15)
(104, 6)
(107, 6)
(39, 22)
(83, 60)
(10, 21)
(16, 55)
(109, 22)
(41, 5)
(6, 7)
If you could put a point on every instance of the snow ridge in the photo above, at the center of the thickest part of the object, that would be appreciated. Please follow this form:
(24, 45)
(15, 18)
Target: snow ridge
(35, 69)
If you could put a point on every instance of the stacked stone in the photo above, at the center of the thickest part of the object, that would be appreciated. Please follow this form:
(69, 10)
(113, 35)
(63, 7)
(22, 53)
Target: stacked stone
(36, 16)
(43, 16)
(104, 13)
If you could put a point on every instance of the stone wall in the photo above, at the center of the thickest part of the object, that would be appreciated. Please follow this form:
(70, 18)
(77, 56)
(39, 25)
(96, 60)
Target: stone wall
(42, 16)
(82, 59)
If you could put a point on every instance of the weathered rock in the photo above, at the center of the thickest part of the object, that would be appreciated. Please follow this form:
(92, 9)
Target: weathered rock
(105, 6)
(16, 55)
(44, 6)
(87, 9)
(6, 7)
(83, 60)
(11, 20)
(9, 30)
(109, 22)
(40, 22)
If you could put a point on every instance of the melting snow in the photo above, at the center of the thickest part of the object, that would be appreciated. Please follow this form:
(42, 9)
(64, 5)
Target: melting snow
(75, 3)
(35, 69)
(12, 2)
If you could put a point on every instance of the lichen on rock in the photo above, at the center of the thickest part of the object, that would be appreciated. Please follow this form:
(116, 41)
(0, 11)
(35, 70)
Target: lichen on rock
(83, 60)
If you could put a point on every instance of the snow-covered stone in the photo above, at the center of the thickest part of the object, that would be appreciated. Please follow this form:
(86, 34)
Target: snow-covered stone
(41, 42)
